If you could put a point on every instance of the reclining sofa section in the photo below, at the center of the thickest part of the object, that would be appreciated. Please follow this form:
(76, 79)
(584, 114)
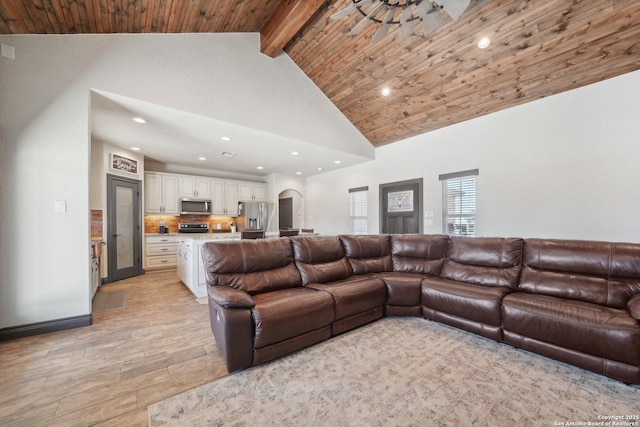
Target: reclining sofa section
(574, 301)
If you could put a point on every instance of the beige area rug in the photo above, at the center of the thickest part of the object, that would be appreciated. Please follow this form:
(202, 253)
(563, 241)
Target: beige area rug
(403, 372)
(108, 300)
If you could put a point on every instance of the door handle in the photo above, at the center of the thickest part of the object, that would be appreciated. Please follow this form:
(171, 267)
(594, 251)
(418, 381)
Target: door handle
(116, 235)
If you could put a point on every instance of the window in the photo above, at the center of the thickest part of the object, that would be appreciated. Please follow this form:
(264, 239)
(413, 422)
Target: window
(459, 203)
(359, 207)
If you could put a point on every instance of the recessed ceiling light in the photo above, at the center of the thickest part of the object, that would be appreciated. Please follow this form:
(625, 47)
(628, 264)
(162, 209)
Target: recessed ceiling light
(202, 158)
(228, 154)
(225, 138)
(136, 148)
(320, 169)
(139, 120)
(298, 173)
(484, 42)
(337, 162)
(260, 167)
(294, 153)
(385, 91)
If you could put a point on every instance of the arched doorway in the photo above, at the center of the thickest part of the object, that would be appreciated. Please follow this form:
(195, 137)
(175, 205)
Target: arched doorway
(290, 209)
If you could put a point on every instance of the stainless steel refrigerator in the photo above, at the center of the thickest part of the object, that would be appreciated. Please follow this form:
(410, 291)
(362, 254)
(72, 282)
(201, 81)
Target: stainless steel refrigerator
(256, 216)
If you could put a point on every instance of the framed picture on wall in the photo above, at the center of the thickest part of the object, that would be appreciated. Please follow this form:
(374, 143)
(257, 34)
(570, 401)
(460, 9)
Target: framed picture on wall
(124, 164)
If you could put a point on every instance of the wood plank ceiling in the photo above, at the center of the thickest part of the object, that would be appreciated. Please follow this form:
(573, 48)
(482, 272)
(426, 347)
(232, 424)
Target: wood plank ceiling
(538, 48)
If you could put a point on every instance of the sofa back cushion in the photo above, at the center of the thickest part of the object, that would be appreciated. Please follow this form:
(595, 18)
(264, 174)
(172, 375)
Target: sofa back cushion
(598, 272)
(418, 253)
(368, 253)
(254, 266)
(320, 259)
(487, 261)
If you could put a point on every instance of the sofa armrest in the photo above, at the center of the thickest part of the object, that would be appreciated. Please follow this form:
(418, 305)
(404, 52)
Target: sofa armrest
(633, 305)
(228, 297)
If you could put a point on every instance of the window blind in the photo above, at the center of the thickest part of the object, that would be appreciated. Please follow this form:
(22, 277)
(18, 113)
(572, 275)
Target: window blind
(459, 203)
(359, 210)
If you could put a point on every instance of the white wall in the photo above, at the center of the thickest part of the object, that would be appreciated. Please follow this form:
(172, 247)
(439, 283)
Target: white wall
(561, 167)
(44, 139)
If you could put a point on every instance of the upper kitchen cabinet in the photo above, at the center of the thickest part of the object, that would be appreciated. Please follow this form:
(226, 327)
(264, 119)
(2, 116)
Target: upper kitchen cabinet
(225, 197)
(195, 186)
(161, 193)
(252, 191)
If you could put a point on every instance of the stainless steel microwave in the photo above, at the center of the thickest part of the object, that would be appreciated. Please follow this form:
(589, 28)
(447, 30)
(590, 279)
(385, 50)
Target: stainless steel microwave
(195, 207)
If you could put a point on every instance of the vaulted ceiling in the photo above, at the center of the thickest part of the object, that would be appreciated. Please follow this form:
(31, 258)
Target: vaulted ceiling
(538, 48)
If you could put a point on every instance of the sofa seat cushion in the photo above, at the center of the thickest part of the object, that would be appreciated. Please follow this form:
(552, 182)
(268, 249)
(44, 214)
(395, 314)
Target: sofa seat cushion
(403, 289)
(287, 313)
(473, 302)
(353, 296)
(585, 327)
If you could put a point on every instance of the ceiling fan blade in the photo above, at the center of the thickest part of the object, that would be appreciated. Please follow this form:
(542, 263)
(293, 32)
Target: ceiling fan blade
(406, 25)
(344, 12)
(365, 21)
(384, 27)
(430, 18)
(454, 8)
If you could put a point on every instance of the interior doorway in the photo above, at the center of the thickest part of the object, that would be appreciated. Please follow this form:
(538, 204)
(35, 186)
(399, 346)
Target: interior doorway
(290, 209)
(401, 207)
(285, 213)
(124, 234)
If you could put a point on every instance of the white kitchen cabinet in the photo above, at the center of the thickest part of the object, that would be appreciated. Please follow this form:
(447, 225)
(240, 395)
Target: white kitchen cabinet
(252, 191)
(225, 197)
(195, 186)
(180, 260)
(161, 193)
(160, 251)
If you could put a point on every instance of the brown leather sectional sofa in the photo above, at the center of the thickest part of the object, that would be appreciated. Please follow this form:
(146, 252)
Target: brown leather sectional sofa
(574, 301)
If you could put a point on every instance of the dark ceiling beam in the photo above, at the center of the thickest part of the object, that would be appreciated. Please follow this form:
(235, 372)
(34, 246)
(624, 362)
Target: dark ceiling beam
(284, 24)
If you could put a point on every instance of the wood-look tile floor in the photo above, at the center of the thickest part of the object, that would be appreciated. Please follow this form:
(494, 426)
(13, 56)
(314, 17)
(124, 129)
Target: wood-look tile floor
(107, 374)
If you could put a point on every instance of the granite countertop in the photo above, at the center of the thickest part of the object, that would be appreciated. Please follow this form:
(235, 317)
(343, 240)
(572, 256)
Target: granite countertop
(218, 235)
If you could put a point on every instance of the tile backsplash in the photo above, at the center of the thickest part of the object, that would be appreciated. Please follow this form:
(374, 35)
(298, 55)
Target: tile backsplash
(96, 224)
(152, 222)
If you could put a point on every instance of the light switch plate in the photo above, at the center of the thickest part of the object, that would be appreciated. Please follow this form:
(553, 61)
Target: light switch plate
(60, 206)
(7, 51)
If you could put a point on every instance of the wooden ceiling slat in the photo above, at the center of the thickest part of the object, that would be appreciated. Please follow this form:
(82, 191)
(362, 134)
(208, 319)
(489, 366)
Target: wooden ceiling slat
(52, 17)
(360, 105)
(93, 15)
(16, 17)
(146, 16)
(37, 16)
(192, 17)
(536, 87)
(80, 22)
(157, 16)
